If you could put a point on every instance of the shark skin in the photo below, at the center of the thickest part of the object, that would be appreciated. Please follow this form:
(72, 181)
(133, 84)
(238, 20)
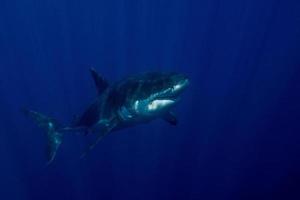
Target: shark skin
(131, 101)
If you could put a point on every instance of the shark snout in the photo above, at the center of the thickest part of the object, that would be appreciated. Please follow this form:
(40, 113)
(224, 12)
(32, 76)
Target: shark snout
(180, 86)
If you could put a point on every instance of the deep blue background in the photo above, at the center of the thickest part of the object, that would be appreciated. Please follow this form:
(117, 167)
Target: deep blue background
(238, 136)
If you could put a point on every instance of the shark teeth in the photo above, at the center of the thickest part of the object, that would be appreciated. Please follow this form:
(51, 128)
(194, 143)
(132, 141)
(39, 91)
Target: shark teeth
(157, 104)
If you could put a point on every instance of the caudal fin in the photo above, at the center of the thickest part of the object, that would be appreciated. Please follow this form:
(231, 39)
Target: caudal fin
(51, 126)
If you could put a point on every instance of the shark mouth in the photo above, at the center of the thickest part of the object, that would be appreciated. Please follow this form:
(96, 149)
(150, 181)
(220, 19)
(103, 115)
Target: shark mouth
(160, 104)
(172, 93)
(156, 102)
(160, 101)
(171, 97)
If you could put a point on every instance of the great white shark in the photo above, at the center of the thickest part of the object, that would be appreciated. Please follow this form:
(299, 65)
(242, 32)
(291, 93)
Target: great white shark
(128, 102)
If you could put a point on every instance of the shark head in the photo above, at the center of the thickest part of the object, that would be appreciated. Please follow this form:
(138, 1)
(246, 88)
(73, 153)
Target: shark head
(158, 93)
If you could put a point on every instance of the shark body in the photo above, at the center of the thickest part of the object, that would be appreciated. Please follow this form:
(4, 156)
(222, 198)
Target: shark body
(131, 101)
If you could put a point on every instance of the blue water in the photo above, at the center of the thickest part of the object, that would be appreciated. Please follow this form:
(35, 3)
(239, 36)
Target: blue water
(238, 132)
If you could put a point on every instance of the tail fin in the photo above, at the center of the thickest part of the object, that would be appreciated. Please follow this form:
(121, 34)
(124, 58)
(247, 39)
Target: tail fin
(54, 137)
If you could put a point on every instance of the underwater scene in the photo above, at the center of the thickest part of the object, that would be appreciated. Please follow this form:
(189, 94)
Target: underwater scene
(149, 99)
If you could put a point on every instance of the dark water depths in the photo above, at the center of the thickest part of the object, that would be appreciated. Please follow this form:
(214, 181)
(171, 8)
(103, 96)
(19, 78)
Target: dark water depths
(238, 132)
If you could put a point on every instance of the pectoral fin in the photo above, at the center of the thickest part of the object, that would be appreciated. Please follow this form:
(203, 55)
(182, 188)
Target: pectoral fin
(103, 128)
(170, 118)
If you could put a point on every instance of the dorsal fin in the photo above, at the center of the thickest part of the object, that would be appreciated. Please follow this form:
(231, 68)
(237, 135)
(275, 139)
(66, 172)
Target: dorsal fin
(100, 82)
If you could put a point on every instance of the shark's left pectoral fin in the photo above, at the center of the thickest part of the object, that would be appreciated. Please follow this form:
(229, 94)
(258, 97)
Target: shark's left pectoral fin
(170, 118)
(103, 128)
